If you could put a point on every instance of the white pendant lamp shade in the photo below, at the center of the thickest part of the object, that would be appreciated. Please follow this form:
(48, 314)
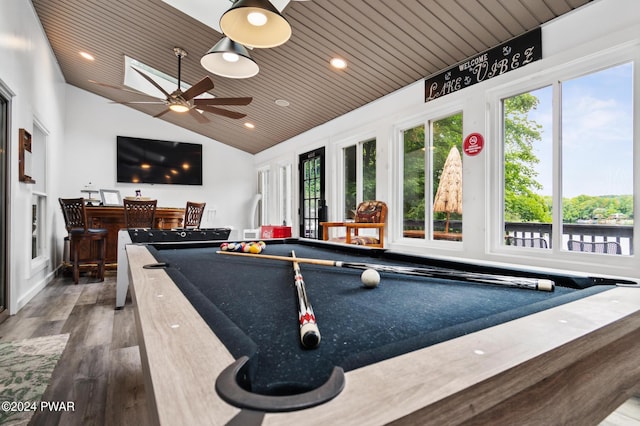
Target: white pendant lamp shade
(229, 59)
(255, 23)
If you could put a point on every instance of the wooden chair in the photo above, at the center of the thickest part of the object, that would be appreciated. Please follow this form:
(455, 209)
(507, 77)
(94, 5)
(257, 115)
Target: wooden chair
(606, 247)
(369, 215)
(139, 213)
(527, 242)
(75, 219)
(193, 214)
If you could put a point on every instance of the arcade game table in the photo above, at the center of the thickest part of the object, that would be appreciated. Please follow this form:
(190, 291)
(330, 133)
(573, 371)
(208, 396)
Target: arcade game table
(220, 341)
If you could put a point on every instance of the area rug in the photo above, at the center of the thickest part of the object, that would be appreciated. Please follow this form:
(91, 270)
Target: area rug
(25, 371)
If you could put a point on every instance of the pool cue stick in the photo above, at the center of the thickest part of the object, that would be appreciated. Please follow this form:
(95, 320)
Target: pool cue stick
(540, 284)
(309, 332)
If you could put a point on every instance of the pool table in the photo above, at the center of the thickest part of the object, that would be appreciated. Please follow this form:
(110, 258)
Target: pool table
(219, 341)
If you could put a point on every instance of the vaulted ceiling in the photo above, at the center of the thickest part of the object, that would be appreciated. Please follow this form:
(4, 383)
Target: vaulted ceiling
(387, 44)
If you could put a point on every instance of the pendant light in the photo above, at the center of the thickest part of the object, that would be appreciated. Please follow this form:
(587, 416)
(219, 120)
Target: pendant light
(229, 59)
(255, 23)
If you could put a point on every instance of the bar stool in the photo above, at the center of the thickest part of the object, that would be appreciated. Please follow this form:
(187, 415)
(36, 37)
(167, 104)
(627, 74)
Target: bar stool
(193, 215)
(75, 218)
(139, 213)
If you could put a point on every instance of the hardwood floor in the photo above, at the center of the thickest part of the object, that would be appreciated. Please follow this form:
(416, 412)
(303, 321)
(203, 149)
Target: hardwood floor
(100, 369)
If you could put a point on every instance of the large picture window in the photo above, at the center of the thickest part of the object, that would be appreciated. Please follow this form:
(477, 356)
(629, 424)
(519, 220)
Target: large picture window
(432, 180)
(590, 203)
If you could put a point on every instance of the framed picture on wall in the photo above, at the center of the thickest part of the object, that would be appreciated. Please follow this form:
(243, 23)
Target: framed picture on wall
(110, 197)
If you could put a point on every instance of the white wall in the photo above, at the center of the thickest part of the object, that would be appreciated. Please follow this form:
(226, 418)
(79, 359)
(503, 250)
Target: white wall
(597, 28)
(29, 70)
(91, 127)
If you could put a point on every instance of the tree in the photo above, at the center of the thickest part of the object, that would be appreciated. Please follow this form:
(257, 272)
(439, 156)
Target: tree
(522, 203)
(414, 165)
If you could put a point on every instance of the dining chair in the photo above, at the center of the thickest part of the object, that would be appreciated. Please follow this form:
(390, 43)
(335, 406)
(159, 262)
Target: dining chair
(606, 247)
(75, 219)
(526, 242)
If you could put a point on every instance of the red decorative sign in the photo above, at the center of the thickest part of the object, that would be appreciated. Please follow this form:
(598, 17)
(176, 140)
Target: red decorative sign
(473, 144)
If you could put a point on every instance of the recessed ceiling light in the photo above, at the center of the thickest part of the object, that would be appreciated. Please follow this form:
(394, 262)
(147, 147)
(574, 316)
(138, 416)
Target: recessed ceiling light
(87, 56)
(249, 125)
(338, 63)
(282, 103)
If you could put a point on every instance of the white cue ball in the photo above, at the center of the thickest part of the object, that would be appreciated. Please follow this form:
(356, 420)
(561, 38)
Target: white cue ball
(370, 278)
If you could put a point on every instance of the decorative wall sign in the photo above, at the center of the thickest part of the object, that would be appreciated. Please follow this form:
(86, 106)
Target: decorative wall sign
(24, 157)
(509, 56)
(473, 144)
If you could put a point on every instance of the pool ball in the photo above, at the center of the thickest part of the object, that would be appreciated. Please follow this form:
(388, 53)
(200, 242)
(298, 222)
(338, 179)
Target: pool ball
(370, 278)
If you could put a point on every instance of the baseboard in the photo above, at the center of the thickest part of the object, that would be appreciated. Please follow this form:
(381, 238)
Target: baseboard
(34, 290)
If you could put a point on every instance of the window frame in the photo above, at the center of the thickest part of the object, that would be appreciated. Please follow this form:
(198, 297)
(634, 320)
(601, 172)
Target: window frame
(285, 193)
(39, 197)
(263, 186)
(554, 77)
(358, 141)
(399, 128)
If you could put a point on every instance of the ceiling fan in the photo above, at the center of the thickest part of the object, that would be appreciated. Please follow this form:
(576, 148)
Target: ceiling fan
(179, 101)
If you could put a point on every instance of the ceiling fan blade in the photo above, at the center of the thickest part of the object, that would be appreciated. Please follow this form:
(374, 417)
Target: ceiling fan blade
(152, 81)
(139, 102)
(220, 111)
(162, 113)
(199, 88)
(124, 89)
(222, 101)
(199, 117)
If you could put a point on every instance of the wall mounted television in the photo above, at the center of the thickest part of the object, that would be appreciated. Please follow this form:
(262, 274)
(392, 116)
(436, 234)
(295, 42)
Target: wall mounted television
(156, 161)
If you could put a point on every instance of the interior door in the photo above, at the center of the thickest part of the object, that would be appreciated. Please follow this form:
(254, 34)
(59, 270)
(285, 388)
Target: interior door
(313, 209)
(4, 238)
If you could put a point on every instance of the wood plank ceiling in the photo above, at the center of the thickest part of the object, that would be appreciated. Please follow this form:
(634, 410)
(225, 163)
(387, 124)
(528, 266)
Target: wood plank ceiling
(388, 45)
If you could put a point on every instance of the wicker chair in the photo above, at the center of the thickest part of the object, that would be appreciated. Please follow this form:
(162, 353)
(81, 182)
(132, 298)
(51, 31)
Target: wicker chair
(607, 247)
(75, 219)
(526, 242)
(193, 214)
(369, 215)
(139, 213)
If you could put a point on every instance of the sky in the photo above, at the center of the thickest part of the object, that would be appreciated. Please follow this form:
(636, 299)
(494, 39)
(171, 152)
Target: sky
(597, 134)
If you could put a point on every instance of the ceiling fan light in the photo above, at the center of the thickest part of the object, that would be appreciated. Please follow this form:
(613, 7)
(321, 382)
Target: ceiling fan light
(178, 108)
(216, 60)
(243, 24)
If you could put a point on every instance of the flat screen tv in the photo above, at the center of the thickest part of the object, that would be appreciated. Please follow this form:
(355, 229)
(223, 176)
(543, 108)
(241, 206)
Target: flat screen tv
(155, 161)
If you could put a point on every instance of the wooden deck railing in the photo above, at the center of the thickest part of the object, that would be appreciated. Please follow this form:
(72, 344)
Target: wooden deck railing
(622, 234)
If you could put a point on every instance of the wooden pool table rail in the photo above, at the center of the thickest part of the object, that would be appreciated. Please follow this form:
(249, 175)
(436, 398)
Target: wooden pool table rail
(573, 364)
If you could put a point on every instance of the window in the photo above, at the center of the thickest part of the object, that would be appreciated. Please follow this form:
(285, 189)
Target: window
(592, 197)
(284, 194)
(597, 157)
(413, 182)
(263, 189)
(359, 175)
(432, 180)
(39, 203)
(528, 177)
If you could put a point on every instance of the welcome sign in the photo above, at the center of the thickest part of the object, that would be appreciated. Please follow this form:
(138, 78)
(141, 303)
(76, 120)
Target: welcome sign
(506, 57)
